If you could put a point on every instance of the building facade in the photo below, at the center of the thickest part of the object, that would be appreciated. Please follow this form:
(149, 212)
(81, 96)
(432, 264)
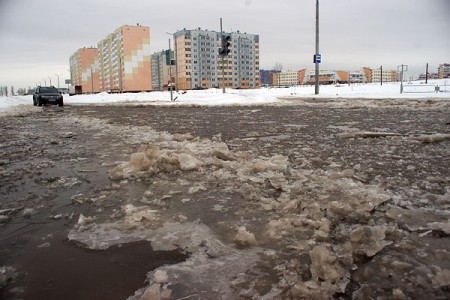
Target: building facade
(266, 77)
(388, 75)
(162, 69)
(288, 78)
(444, 71)
(200, 66)
(121, 63)
(84, 72)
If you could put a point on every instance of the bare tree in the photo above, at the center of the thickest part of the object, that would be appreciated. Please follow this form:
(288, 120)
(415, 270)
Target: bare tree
(12, 91)
(278, 67)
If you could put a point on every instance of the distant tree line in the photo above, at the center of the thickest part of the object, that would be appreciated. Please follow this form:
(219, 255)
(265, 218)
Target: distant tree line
(4, 91)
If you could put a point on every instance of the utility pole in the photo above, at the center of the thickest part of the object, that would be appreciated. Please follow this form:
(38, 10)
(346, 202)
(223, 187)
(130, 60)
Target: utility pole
(381, 75)
(317, 48)
(92, 80)
(426, 75)
(170, 73)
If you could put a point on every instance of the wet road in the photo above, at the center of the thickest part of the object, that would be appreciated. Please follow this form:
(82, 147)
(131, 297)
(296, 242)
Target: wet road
(54, 166)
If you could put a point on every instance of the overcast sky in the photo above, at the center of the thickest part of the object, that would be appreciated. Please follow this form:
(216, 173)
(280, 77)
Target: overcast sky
(37, 37)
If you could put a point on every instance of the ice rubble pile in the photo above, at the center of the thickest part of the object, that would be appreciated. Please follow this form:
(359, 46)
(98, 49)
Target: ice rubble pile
(318, 212)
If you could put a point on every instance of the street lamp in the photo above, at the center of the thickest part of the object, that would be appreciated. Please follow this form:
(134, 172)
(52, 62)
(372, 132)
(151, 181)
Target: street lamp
(57, 75)
(403, 69)
(50, 81)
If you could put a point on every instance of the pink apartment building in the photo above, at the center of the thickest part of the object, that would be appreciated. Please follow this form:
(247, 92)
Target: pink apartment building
(84, 70)
(122, 61)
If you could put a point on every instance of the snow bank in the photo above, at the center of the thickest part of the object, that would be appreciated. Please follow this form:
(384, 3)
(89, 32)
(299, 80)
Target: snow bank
(263, 96)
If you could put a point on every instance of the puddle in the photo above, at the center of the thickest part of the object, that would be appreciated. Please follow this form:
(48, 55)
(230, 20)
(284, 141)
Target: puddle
(68, 271)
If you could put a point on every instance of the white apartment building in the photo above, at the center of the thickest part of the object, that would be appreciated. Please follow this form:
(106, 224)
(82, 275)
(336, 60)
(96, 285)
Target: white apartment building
(288, 78)
(200, 65)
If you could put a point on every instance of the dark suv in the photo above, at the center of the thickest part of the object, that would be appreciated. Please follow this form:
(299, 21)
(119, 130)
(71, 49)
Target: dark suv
(47, 94)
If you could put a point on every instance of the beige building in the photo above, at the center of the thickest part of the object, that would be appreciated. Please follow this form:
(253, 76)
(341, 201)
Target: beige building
(388, 75)
(84, 70)
(121, 63)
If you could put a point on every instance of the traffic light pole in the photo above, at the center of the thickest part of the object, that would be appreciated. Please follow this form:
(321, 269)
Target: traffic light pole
(223, 63)
(170, 74)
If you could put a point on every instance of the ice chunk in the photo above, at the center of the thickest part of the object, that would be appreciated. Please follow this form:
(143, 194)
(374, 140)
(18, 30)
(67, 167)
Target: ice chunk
(324, 265)
(84, 223)
(160, 276)
(139, 216)
(244, 238)
(188, 162)
(368, 240)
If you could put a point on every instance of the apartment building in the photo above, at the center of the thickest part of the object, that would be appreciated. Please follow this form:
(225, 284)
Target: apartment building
(162, 68)
(266, 77)
(288, 78)
(121, 62)
(124, 60)
(200, 66)
(444, 71)
(388, 75)
(84, 71)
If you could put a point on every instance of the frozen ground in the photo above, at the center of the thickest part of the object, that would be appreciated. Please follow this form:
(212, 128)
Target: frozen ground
(297, 199)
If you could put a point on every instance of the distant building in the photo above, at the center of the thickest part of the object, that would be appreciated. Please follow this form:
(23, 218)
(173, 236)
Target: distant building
(121, 63)
(423, 76)
(160, 70)
(368, 74)
(84, 70)
(387, 75)
(266, 77)
(289, 78)
(200, 66)
(444, 71)
(332, 77)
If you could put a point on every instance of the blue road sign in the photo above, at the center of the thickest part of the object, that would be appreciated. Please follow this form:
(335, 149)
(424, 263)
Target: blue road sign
(317, 58)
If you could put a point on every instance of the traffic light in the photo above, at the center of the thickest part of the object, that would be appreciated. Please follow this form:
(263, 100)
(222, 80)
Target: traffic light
(224, 50)
(167, 53)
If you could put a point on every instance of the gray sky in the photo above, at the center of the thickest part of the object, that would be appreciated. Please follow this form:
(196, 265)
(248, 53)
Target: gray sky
(37, 37)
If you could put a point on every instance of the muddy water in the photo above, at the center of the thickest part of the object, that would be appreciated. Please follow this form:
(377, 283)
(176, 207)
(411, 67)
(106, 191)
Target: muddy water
(49, 176)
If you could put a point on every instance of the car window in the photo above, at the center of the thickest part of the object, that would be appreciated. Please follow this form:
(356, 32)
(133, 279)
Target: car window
(48, 90)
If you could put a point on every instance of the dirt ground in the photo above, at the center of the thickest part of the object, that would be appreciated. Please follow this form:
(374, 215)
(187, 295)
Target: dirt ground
(308, 199)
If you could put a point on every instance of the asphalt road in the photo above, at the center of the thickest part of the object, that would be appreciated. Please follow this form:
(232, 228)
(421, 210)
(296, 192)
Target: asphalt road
(54, 166)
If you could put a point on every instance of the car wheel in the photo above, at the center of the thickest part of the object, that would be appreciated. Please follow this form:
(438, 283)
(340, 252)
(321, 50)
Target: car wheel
(34, 102)
(39, 103)
(61, 102)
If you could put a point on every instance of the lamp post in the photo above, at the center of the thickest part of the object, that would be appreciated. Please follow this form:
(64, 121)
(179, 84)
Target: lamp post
(57, 75)
(402, 69)
(50, 81)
